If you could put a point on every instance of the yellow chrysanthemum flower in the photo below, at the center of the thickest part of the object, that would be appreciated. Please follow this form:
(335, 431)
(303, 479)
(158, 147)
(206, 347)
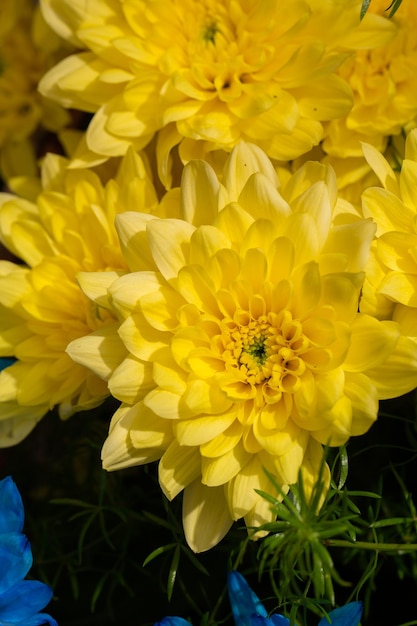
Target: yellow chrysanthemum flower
(240, 343)
(390, 290)
(382, 78)
(68, 229)
(384, 87)
(28, 48)
(204, 74)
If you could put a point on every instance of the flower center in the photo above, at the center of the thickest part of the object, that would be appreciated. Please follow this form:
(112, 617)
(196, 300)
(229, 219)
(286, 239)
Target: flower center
(257, 350)
(210, 31)
(266, 350)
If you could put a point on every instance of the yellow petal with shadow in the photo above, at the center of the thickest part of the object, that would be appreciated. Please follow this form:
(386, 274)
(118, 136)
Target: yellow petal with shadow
(198, 431)
(205, 514)
(220, 470)
(179, 466)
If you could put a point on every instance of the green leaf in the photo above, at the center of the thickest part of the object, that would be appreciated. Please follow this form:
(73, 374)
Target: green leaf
(394, 6)
(173, 571)
(392, 522)
(158, 552)
(83, 533)
(73, 502)
(98, 590)
(344, 467)
(364, 8)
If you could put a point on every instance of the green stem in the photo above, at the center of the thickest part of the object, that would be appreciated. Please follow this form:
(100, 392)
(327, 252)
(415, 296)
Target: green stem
(370, 545)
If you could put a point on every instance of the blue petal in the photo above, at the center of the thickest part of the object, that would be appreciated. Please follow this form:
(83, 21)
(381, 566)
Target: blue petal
(23, 600)
(243, 600)
(15, 560)
(279, 620)
(12, 514)
(38, 619)
(172, 621)
(348, 615)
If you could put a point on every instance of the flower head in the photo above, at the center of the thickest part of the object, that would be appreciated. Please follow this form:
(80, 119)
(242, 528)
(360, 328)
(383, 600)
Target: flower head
(27, 49)
(67, 229)
(384, 87)
(205, 74)
(391, 284)
(240, 346)
(20, 600)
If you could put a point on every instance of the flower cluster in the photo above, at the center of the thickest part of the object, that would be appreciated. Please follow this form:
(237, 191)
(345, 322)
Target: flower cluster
(220, 236)
(223, 314)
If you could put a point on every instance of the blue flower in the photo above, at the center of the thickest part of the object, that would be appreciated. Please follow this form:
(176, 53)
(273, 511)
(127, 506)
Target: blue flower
(20, 600)
(248, 610)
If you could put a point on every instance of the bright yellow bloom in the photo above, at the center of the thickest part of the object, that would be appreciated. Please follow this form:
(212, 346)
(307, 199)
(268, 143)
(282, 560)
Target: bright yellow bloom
(383, 80)
(390, 290)
(240, 343)
(69, 228)
(27, 49)
(205, 74)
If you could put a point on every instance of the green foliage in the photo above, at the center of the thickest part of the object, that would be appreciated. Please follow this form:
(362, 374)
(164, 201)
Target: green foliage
(177, 548)
(364, 8)
(393, 7)
(299, 552)
(113, 547)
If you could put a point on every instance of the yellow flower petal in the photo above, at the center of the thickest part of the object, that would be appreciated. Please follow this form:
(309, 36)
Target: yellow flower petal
(118, 450)
(396, 376)
(261, 198)
(381, 168)
(388, 211)
(312, 462)
(199, 202)
(205, 516)
(140, 338)
(200, 430)
(220, 470)
(371, 343)
(241, 493)
(168, 241)
(204, 396)
(245, 160)
(101, 351)
(205, 242)
(16, 424)
(165, 404)
(131, 228)
(95, 285)
(400, 287)
(131, 369)
(179, 466)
